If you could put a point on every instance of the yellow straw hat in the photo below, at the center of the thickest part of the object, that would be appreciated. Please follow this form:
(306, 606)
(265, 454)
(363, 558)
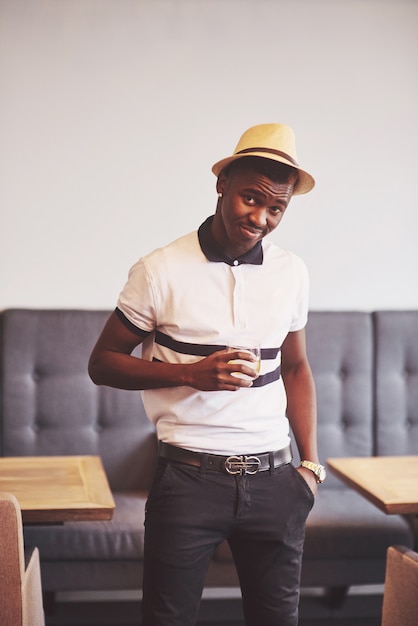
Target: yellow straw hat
(270, 141)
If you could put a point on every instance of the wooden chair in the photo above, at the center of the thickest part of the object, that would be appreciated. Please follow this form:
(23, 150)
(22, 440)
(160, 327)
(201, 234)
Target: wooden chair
(20, 579)
(400, 598)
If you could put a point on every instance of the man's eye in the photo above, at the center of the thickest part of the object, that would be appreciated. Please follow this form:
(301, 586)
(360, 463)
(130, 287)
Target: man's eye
(250, 199)
(276, 210)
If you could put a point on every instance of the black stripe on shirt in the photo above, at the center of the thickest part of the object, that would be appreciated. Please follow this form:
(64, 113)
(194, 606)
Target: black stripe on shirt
(134, 329)
(201, 349)
(266, 379)
(196, 349)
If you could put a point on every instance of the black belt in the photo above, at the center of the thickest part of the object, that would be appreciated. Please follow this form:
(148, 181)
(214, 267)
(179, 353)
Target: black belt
(235, 464)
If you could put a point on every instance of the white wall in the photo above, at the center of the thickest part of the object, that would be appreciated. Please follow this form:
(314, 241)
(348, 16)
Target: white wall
(113, 111)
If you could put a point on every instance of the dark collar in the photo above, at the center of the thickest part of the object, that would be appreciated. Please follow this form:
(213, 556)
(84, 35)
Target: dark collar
(214, 253)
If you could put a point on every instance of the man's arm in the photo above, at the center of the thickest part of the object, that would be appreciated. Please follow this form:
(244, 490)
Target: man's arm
(111, 364)
(301, 400)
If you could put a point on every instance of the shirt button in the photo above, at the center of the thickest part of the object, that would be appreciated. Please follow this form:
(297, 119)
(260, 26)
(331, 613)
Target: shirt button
(236, 262)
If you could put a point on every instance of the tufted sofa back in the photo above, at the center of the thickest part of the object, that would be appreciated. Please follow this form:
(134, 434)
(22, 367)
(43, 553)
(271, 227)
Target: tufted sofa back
(396, 340)
(49, 405)
(340, 349)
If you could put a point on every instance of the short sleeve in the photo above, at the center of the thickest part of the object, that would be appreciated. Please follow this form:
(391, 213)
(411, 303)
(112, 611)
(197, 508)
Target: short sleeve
(136, 300)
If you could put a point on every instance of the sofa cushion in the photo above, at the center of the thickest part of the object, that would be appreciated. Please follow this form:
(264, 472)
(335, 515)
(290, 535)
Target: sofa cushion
(118, 539)
(344, 525)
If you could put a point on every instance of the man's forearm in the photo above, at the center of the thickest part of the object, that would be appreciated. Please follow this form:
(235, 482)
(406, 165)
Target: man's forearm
(124, 371)
(301, 410)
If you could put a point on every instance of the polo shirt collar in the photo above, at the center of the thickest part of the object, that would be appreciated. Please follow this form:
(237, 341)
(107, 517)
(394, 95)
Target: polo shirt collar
(214, 253)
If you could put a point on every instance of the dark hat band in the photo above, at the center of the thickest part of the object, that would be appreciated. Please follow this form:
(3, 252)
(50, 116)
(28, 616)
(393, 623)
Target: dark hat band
(271, 151)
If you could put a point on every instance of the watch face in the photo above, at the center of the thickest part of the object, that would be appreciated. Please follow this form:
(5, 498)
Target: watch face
(322, 474)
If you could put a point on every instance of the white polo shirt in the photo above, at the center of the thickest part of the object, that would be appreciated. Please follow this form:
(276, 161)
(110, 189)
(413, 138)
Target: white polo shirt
(188, 300)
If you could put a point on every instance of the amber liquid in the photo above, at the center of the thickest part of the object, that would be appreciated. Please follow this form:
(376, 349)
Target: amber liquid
(255, 365)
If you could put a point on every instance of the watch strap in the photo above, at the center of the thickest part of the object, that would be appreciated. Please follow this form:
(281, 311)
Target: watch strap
(316, 468)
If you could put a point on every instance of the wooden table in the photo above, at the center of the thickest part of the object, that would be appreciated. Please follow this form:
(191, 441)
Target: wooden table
(389, 482)
(57, 489)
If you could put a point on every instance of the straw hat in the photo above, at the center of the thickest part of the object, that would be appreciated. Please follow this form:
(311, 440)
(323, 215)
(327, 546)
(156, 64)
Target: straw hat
(270, 141)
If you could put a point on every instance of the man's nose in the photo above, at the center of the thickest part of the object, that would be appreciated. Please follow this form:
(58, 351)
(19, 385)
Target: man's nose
(258, 216)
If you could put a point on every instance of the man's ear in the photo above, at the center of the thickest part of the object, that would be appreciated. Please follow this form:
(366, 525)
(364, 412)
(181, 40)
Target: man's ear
(221, 183)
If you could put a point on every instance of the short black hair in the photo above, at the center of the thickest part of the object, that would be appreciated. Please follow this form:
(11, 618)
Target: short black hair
(275, 170)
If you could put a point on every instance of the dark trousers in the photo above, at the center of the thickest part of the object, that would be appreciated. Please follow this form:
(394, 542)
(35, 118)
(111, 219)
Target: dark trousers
(190, 511)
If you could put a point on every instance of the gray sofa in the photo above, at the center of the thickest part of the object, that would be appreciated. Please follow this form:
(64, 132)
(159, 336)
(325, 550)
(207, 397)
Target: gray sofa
(365, 367)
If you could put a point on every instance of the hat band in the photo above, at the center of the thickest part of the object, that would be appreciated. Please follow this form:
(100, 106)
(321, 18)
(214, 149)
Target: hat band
(271, 151)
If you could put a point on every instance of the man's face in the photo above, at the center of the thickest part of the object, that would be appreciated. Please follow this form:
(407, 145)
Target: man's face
(253, 203)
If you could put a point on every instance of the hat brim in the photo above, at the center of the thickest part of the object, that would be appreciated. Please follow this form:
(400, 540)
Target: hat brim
(305, 182)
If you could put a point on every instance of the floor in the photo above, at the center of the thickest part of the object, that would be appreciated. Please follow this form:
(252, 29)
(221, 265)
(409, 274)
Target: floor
(362, 607)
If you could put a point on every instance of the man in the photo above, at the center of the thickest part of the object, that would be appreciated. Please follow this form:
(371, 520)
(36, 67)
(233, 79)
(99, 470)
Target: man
(224, 469)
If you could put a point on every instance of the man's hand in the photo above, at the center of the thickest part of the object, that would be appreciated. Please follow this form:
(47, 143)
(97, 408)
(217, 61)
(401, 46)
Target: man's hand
(215, 372)
(309, 477)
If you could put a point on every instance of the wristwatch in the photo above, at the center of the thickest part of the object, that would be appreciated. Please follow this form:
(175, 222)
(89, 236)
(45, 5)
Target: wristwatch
(318, 470)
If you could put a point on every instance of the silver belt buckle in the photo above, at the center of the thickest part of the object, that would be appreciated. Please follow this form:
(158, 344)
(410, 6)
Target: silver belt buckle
(242, 465)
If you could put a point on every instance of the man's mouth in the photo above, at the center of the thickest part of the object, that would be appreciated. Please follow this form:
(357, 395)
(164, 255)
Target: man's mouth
(252, 232)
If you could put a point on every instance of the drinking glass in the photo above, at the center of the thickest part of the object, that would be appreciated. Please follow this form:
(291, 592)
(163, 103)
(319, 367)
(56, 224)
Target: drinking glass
(252, 347)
